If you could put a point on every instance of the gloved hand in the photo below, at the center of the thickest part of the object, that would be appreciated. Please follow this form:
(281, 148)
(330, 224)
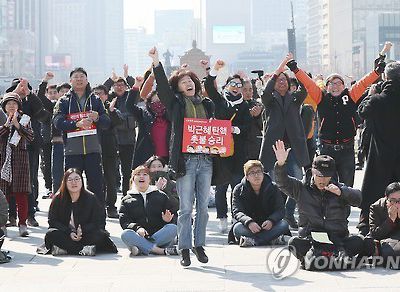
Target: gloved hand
(292, 64)
(380, 67)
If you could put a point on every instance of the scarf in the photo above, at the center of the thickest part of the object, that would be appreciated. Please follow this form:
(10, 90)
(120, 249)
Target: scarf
(158, 108)
(6, 170)
(232, 99)
(194, 107)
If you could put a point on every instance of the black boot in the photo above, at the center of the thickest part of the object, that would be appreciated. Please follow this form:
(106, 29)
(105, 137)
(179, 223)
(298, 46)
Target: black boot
(200, 254)
(185, 257)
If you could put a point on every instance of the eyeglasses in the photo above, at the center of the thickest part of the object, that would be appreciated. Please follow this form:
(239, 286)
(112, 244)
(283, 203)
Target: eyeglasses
(77, 179)
(255, 173)
(337, 83)
(394, 201)
(235, 84)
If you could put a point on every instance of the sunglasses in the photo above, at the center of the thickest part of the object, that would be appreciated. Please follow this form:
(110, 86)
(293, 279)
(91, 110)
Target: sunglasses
(235, 84)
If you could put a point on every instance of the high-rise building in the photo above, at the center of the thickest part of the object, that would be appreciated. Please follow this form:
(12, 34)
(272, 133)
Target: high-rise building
(86, 33)
(174, 30)
(345, 36)
(226, 27)
(136, 47)
(17, 37)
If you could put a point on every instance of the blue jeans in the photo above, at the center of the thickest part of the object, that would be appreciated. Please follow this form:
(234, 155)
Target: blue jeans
(263, 237)
(296, 171)
(194, 185)
(162, 238)
(220, 195)
(57, 165)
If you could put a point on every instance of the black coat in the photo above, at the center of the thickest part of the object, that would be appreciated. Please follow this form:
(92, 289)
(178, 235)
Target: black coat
(319, 211)
(249, 207)
(382, 113)
(283, 114)
(87, 213)
(144, 147)
(134, 215)
(175, 104)
(381, 226)
(241, 119)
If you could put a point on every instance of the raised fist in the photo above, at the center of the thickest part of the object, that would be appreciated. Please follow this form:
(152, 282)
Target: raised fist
(219, 65)
(48, 76)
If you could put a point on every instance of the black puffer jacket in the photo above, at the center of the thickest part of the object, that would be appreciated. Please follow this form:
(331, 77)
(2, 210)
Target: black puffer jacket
(249, 207)
(175, 105)
(134, 215)
(319, 211)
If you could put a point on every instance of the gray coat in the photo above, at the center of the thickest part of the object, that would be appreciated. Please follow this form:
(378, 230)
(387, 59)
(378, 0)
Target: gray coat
(283, 113)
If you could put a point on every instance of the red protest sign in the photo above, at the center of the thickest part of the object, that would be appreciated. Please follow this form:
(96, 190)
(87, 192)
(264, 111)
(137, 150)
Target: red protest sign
(80, 132)
(206, 136)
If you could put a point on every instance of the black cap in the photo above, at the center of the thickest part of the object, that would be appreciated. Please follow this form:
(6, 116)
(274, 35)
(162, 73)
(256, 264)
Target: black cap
(14, 85)
(324, 165)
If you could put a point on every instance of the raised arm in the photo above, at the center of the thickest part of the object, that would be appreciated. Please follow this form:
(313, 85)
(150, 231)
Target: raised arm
(267, 96)
(165, 93)
(287, 184)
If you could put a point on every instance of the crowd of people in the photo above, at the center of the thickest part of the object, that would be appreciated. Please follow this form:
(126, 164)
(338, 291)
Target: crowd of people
(292, 147)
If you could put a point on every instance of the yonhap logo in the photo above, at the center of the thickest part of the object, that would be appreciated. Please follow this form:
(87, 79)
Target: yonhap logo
(281, 263)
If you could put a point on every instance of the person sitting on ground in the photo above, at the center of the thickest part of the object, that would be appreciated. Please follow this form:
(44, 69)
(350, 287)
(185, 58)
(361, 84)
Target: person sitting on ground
(384, 220)
(75, 220)
(160, 178)
(324, 205)
(149, 225)
(259, 209)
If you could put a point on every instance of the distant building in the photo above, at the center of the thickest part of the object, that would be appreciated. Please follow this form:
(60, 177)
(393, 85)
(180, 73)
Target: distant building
(17, 37)
(136, 47)
(193, 58)
(345, 36)
(173, 30)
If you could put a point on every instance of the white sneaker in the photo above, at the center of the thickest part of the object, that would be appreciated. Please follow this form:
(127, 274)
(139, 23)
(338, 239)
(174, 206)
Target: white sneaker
(56, 251)
(134, 250)
(280, 240)
(88, 250)
(246, 241)
(223, 225)
(23, 231)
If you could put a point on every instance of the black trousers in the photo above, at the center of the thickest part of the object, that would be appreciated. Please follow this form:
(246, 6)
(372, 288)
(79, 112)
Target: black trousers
(353, 245)
(345, 163)
(110, 181)
(126, 156)
(45, 165)
(64, 241)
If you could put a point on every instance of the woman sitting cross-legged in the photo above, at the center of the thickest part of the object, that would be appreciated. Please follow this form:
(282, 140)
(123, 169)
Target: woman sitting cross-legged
(149, 226)
(75, 220)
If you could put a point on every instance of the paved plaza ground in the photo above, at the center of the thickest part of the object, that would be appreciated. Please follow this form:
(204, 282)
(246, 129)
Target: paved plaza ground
(230, 268)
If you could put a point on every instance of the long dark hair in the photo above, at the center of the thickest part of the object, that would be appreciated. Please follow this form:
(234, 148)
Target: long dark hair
(63, 192)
